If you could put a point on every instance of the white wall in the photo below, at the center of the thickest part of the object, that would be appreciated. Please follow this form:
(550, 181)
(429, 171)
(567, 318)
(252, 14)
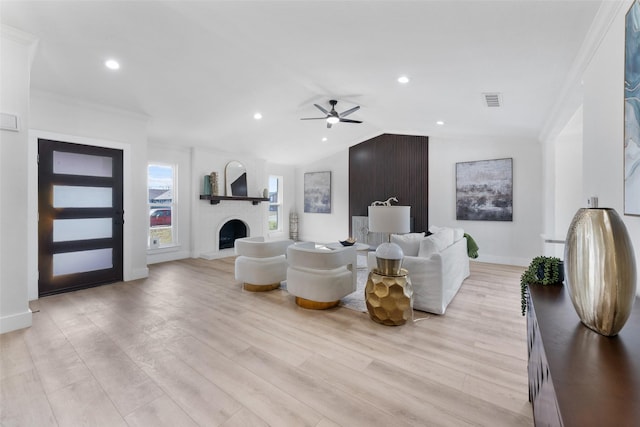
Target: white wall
(15, 51)
(513, 242)
(76, 122)
(326, 228)
(604, 127)
(180, 157)
(568, 174)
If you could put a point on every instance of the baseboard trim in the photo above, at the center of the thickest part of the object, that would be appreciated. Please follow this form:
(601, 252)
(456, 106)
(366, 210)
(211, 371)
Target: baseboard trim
(14, 322)
(166, 256)
(492, 259)
(138, 273)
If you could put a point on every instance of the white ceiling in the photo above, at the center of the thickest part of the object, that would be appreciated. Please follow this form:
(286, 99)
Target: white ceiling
(200, 69)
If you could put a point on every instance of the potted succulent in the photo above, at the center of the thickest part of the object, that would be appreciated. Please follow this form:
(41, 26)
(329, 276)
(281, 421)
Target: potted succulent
(543, 270)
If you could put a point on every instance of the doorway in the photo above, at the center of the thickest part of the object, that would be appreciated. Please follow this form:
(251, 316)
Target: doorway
(80, 216)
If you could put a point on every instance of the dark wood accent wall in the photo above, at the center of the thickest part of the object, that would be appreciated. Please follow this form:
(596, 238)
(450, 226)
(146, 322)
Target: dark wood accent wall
(390, 166)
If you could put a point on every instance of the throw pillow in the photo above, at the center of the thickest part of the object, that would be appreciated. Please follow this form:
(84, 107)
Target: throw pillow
(409, 243)
(458, 233)
(428, 247)
(445, 236)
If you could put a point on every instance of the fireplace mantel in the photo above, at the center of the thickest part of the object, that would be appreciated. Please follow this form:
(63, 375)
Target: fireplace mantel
(214, 200)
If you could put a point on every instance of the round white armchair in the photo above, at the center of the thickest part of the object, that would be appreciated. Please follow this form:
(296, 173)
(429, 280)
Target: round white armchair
(260, 265)
(319, 277)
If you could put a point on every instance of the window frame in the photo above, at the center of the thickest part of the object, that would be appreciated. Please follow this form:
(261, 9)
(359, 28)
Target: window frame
(173, 206)
(279, 203)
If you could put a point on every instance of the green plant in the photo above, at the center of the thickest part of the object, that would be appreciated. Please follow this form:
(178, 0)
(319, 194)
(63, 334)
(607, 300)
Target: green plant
(543, 270)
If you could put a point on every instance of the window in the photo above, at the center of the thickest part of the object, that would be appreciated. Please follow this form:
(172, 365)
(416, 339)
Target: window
(162, 205)
(275, 203)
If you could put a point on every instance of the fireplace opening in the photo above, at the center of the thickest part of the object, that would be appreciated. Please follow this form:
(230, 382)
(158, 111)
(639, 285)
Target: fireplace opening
(230, 231)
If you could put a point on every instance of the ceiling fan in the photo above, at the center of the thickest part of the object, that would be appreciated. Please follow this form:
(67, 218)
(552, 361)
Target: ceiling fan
(332, 117)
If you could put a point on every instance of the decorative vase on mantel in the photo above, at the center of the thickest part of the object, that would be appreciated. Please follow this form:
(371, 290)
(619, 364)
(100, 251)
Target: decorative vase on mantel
(600, 269)
(214, 183)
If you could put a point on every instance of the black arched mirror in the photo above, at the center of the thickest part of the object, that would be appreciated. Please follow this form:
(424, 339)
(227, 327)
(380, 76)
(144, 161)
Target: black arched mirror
(236, 179)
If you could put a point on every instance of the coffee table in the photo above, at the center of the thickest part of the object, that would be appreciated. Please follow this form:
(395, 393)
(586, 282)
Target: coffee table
(357, 246)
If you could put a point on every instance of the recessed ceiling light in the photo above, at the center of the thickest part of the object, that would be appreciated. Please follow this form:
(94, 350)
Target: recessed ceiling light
(257, 116)
(324, 139)
(440, 123)
(112, 64)
(403, 79)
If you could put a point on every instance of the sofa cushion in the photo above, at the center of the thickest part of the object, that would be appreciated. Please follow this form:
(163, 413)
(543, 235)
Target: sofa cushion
(428, 247)
(409, 243)
(458, 233)
(436, 242)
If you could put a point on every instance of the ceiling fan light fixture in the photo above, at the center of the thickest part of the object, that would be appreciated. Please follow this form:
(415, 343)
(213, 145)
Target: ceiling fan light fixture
(333, 120)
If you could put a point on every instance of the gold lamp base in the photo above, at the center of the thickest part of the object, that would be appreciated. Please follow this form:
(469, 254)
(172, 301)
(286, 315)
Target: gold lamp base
(389, 298)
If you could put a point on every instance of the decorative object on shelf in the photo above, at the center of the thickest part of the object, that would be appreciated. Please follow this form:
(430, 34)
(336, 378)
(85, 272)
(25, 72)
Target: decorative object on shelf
(317, 192)
(213, 178)
(389, 299)
(236, 179)
(265, 193)
(543, 270)
(389, 219)
(600, 269)
(348, 242)
(484, 190)
(206, 188)
(632, 112)
(293, 226)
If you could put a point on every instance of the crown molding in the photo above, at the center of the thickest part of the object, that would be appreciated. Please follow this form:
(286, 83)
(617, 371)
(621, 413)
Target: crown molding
(570, 96)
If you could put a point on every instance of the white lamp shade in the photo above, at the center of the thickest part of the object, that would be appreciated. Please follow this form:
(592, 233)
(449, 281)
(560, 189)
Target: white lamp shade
(389, 219)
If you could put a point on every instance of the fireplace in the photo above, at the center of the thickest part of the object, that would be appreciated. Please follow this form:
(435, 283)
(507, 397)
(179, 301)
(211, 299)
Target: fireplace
(230, 231)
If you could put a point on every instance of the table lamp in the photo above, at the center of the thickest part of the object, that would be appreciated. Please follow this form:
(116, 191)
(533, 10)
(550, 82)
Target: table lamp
(389, 219)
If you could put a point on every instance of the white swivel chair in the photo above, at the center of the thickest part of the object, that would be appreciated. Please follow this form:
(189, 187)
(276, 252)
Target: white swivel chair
(318, 278)
(260, 265)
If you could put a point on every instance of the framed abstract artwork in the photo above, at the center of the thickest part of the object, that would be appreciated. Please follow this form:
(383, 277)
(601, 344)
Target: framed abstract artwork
(484, 190)
(317, 192)
(632, 111)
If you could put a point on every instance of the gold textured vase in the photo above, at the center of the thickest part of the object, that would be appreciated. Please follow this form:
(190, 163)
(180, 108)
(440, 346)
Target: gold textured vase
(600, 269)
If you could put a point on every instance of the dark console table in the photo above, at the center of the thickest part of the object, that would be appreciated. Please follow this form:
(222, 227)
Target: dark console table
(576, 376)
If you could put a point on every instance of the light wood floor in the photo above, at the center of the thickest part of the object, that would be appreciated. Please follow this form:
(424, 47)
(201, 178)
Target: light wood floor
(188, 346)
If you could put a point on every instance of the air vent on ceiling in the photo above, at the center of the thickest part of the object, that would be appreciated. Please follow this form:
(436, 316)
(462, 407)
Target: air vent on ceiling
(493, 99)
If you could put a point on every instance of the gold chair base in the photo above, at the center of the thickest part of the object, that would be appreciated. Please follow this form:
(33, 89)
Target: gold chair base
(261, 288)
(315, 305)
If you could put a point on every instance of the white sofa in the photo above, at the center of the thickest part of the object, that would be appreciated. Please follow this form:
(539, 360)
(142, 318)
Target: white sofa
(437, 266)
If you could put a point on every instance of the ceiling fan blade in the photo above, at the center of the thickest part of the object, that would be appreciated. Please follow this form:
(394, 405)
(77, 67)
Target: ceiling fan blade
(352, 110)
(350, 121)
(321, 108)
(328, 125)
(313, 118)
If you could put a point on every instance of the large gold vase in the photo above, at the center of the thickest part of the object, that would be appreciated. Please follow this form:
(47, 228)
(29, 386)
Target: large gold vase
(600, 269)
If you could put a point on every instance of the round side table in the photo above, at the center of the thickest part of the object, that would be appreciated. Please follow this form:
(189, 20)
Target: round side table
(389, 298)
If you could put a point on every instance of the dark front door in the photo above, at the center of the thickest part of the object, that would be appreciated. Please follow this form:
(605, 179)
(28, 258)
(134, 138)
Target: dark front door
(80, 216)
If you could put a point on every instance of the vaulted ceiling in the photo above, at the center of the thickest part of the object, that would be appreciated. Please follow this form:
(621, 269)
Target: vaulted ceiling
(201, 69)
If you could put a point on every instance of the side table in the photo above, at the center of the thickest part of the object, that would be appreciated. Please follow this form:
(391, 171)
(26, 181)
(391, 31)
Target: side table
(389, 298)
